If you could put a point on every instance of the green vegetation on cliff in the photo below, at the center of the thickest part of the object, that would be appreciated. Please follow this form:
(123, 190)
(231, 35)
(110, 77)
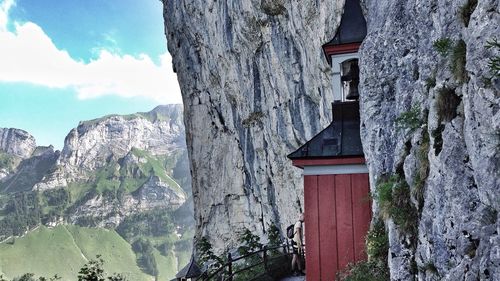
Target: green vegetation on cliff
(121, 177)
(8, 161)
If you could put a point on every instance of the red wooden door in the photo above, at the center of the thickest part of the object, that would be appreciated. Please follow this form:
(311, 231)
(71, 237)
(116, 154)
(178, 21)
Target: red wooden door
(337, 218)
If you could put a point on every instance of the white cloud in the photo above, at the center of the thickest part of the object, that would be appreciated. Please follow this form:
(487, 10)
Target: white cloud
(4, 13)
(28, 55)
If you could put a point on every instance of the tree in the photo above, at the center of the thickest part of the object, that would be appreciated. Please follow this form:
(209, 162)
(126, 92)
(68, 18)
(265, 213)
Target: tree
(274, 235)
(205, 252)
(92, 271)
(250, 242)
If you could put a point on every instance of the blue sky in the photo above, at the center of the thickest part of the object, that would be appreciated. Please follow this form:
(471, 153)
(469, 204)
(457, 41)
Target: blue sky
(72, 60)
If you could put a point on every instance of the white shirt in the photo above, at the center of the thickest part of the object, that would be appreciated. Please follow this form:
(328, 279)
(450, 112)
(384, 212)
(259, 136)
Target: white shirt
(297, 233)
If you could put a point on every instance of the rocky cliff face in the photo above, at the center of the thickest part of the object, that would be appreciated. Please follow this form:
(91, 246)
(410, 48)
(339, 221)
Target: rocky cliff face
(15, 145)
(30, 171)
(256, 85)
(96, 143)
(103, 211)
(122, 161)
(112, 167)
(457, 102)
(17, 142)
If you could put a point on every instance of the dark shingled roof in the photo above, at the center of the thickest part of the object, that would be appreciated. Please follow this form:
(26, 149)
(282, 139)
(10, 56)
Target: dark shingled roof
(352, 25)
(191, 270)
(340, 139)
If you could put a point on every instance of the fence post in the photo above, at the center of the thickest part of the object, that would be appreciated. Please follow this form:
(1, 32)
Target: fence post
(230, 267)
(265, 258)
(287, 247)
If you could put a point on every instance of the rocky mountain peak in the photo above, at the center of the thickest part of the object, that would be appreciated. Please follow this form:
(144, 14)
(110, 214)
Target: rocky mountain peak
(113, 166)
(96, 142)
(17, 142)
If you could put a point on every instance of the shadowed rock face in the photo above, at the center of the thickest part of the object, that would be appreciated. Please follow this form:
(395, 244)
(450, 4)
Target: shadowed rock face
(16, 148)
(17, 142)
(255, 86)
(401, 70)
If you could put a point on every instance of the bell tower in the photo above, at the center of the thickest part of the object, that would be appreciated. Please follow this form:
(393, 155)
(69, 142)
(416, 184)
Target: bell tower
(337, 207)
(342, 52)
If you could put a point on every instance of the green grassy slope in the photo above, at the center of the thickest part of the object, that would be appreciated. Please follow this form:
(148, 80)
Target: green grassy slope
(64, 249)
(112, 247)
(34, 253)
(184, 258)
(166, 266)
(158, 166)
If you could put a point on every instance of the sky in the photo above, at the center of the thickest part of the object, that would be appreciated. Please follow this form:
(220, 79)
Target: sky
(65, 61)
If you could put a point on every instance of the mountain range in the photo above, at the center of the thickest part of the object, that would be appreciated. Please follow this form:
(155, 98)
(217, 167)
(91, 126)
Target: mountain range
(124, 177)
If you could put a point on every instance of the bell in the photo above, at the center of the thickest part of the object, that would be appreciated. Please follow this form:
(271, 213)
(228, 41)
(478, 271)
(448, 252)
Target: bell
(352, 74)
(352, 78)
(353, 90)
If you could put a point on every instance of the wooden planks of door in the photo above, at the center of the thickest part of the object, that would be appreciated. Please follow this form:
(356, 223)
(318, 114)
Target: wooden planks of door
(337, 218)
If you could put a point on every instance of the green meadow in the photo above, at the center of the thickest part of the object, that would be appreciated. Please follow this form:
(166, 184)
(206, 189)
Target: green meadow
(63, 250)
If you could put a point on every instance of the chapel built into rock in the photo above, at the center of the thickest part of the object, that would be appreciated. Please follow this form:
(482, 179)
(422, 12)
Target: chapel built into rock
(337, 204)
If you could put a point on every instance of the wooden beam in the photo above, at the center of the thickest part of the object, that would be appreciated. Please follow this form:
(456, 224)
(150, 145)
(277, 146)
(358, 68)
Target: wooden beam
(341, 49)
(327, 161)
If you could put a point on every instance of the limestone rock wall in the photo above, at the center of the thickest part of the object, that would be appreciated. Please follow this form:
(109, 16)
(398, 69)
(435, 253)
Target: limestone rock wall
(96, 143)
(458, 104)
(93, 142)
(17, 142)
(15, 146)
(255, 85)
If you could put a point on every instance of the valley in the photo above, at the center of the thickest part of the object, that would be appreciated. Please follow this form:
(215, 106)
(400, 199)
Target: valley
(120, 189)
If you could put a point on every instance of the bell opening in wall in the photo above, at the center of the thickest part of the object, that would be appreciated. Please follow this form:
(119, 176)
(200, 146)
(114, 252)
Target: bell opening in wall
(350, 79)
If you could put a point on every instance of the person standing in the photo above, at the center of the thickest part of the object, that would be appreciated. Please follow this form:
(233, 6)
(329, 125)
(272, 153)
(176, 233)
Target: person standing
(297, 246)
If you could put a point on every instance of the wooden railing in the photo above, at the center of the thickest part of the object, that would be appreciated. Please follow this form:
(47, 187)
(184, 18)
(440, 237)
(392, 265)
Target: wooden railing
(226, 272)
